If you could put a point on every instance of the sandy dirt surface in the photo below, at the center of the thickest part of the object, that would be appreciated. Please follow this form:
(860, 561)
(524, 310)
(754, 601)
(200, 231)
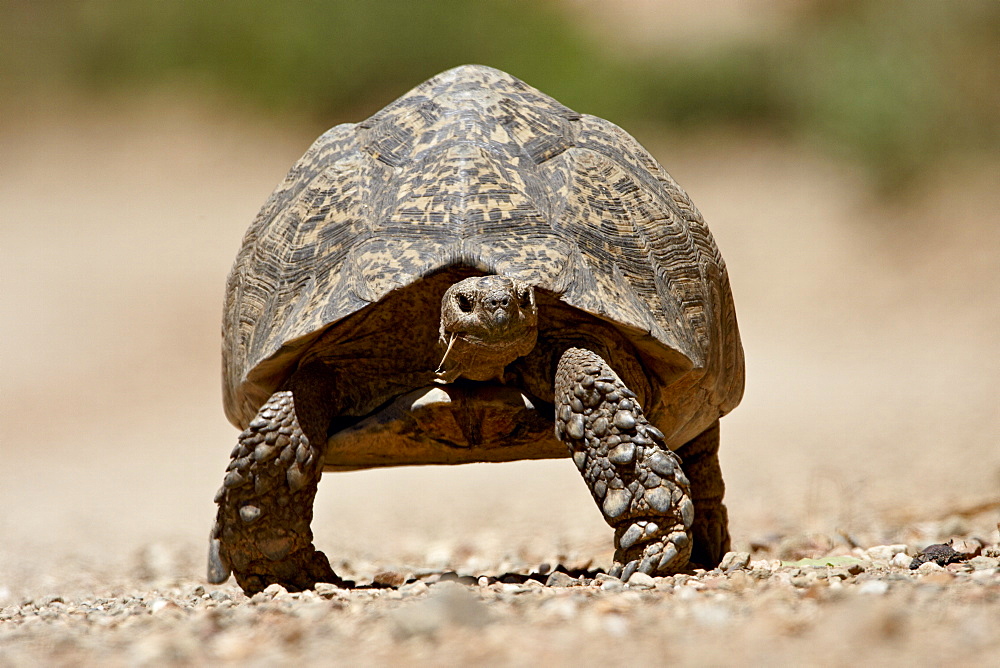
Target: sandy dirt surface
(870, 419)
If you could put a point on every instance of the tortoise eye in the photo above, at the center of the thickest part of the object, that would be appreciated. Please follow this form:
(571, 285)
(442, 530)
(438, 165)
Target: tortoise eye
(464, 303)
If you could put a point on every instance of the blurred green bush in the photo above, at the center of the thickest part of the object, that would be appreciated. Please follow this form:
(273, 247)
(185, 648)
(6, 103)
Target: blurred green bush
(894, 84)
(317, 57)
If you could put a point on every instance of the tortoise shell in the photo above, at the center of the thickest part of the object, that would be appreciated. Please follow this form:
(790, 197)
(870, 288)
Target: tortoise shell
(474, 168)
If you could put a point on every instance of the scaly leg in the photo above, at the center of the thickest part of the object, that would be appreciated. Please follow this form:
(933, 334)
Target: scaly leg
(633, 476)
(262, 531)
(710, 531)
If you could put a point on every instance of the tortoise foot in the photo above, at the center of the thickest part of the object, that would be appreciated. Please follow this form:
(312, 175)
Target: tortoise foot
(262, 531)
(298, 571)
(633, 476)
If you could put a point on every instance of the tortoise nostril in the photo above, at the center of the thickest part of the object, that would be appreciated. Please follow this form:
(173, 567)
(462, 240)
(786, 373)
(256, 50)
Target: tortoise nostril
(505, 302)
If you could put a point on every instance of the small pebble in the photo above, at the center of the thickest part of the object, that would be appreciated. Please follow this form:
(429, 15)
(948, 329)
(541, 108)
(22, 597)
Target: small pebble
(389, 578)
(664, 583)
(640, 580)
(901, 560)
(326, 590)
(940, 553)
(967, 548)
(734, 561)
(414, 588)
(802, 581)
(560, 579)
(273, 590)
(884, 552)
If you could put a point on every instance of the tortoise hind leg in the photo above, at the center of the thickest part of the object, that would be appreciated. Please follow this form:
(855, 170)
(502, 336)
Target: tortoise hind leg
(710, 531)
(262, 531)
(633, 476)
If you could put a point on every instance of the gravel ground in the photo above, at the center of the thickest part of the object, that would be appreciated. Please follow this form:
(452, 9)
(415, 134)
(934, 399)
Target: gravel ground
(826, 603)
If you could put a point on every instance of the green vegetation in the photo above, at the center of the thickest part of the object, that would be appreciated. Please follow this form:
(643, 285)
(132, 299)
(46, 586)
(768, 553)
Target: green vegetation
(317, 57)
(893, 84)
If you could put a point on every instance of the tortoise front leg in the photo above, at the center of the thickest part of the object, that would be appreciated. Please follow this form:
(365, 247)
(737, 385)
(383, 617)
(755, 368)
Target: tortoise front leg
(262, 530)
(634, 477)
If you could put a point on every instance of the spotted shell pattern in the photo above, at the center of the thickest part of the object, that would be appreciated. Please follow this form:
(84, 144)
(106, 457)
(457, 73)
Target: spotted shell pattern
(476, 168)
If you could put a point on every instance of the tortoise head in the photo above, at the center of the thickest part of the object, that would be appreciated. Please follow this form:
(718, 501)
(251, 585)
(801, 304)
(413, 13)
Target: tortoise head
(487, 322)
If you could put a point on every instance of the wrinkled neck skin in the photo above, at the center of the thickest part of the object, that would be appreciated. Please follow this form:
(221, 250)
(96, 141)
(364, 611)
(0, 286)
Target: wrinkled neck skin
(487, 322)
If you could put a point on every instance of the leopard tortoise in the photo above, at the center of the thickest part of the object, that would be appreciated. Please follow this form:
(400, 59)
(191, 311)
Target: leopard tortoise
(477, 273)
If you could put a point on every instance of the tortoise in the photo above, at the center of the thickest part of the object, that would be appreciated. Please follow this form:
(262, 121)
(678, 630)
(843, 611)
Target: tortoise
(477, 273)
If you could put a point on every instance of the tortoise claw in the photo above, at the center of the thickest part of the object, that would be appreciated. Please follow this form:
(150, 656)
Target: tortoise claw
(218, 571)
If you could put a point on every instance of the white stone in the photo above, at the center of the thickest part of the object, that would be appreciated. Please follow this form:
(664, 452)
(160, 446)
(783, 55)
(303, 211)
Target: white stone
(901, 560)
(640, 580)
(275, 589)
(884, 552)
(735, 560)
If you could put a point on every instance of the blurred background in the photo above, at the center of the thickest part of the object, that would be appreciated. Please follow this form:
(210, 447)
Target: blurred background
(846, 155)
